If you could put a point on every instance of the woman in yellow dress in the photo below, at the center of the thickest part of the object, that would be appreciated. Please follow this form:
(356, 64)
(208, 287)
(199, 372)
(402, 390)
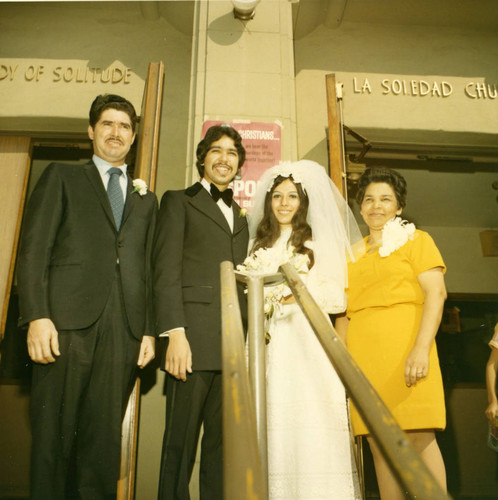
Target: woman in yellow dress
(396, 294)
(491, 370)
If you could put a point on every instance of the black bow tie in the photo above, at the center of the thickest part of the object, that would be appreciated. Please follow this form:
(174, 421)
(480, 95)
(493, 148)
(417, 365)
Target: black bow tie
(225, 195)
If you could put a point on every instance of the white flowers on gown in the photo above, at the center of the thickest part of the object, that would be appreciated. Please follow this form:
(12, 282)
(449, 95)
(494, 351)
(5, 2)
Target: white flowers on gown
(309, 444)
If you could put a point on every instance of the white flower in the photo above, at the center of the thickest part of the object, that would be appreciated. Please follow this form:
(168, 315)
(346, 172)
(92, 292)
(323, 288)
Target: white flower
(285, 169)
(300, 262)
(242, 212)
(267, 308)
(395, 234)
(267, 261)
(140, 187)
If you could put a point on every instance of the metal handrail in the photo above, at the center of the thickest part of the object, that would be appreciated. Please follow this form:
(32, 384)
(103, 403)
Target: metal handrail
(405, 463)
(256, 353)
(242, 468)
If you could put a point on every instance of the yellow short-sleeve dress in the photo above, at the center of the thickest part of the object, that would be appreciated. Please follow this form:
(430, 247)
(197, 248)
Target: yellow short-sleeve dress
(385, 304)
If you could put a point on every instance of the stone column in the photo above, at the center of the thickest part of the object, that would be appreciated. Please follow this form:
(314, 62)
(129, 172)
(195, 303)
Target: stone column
(242, 70)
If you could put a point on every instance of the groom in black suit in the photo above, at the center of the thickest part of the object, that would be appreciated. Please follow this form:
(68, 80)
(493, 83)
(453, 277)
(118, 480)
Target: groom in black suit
(84, 290)
(198, 228)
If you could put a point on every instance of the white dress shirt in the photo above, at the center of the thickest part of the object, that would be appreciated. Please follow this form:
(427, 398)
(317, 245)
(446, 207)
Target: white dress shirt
(225, 209)
(103, 167)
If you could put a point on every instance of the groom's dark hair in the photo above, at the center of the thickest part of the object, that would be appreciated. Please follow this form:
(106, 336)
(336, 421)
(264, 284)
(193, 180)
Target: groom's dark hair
(213, 134)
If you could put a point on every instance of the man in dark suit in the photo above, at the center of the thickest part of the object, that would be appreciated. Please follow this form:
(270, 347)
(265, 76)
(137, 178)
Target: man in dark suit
(84, 290)
(198, 228)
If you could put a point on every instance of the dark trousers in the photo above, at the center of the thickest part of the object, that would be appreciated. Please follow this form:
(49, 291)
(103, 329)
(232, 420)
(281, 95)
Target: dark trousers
(189, 405)
(77, 406)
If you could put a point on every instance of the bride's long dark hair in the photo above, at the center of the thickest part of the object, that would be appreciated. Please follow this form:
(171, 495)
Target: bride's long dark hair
(268, 229)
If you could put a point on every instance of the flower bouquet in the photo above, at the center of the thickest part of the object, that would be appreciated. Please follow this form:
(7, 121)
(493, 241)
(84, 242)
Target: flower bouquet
(267, 261)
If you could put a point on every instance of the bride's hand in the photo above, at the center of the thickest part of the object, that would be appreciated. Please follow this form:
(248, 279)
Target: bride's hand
(289, 299)
(178, 355)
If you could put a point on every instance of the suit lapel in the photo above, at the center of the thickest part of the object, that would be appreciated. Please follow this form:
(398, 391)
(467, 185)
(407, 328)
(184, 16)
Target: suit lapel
(203, 202)
(130, 200)
(93, 176)
(239, 221)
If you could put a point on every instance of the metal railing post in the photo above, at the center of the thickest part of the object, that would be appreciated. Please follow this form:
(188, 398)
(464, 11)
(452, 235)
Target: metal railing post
(256, 353)
(243, 475)
(257, 363)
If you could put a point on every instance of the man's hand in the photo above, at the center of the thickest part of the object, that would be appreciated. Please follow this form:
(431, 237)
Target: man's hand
(147, 351)
(178, 355)
(43, 341)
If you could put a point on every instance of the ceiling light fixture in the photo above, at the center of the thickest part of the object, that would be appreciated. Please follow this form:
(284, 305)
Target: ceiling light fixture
(244, 9)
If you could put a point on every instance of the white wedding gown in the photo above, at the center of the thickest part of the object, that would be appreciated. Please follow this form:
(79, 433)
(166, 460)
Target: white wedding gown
(309, 444)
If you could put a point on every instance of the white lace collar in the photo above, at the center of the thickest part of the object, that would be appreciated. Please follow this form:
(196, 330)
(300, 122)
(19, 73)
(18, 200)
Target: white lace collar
(395, 234)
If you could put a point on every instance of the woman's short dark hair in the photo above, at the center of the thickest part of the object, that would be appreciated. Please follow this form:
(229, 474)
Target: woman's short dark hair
(386, 175)
(268, 229)
(112, 101)
(213, 134)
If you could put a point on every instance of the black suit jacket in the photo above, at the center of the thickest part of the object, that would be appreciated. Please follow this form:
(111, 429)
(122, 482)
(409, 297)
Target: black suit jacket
(70, 248)
(192, 239)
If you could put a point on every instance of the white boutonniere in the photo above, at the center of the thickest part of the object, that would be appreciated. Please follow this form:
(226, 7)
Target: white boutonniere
(242, 212)
(395, 234)
(140, 187)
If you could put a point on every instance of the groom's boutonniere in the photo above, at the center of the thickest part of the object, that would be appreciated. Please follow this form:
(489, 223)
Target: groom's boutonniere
(242, 212)
(140, 187)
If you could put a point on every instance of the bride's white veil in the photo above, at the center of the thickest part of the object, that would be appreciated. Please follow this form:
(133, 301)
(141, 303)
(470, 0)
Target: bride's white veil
(335, 233)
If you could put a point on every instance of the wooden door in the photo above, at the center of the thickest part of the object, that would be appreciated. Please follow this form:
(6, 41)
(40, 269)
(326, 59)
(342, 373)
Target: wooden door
(15, 161)
(145, 169)
(335, 135)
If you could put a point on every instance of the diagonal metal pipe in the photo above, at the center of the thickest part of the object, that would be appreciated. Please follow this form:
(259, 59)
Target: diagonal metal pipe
(405, 463)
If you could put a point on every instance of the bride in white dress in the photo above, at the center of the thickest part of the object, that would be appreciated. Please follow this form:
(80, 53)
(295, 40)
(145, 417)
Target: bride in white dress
(299, 216)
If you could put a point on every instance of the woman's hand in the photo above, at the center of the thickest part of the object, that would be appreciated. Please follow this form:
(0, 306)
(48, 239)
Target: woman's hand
(341, 325)
(289, 299)
(417, 363)
(416, 366)
(491, 369)
(491, 412)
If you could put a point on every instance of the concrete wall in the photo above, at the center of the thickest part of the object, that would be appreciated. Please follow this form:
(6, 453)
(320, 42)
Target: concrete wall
(54, 48)
(229, 69)
(240, 71)
(468, 271)
(374, 61)
(360, 52)
(56, 57)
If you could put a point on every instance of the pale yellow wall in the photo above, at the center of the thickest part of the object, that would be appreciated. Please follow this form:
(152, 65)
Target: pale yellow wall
(81, 35)
(240, 71)
(468, 271)
(246, 70)
(100, 34)
(377, 52)
(433, 54)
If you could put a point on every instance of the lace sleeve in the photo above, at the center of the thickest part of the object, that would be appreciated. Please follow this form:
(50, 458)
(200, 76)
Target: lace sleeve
(329, 294)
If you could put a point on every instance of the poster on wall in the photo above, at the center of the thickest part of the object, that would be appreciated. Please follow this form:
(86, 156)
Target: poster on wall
(262, 142)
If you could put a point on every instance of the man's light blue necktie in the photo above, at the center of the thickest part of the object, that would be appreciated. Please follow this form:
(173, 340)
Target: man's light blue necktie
(115, 194)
